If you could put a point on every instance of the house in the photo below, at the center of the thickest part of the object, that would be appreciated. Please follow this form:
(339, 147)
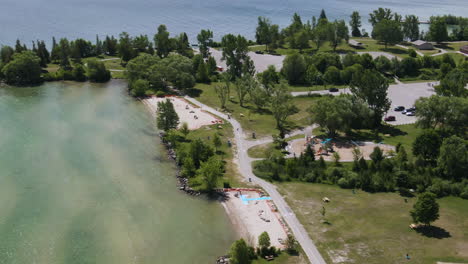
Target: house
(355, 44)
(464, 49)
(422, 45)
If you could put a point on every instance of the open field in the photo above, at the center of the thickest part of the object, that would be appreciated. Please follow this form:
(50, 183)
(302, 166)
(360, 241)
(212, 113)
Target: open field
(374, 228)
(252, 120)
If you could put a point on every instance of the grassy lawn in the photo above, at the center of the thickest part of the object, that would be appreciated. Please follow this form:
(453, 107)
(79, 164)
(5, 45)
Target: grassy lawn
(284, 258)
(260, 122)
(264, 150)
(459, 58)
(224, 152)
(374, 45)
(451, 46)
(373, 228)
(429, 52)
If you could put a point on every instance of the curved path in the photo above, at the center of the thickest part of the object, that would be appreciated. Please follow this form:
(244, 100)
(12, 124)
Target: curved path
(245, 168)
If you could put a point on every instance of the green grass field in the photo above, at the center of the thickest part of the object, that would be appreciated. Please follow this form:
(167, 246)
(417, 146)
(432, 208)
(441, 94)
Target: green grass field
(260, 122)
(374, 228)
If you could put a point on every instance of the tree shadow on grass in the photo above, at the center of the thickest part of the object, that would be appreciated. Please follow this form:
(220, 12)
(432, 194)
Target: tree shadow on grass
(443, 46)
(194, 92)
(394, 50)
(433, 232)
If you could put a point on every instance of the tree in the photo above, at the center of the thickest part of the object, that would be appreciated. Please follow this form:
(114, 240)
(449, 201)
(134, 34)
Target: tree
(263, 32)
(355, 24)
(281, 105)
(377, 155)
(202, 74)
(291, 244)
(454, 83)
(321, 33)
(294, 68)
(23, 69)
(453, 158)
(388, 32)
(372, 87)
(222, 91)
(64, 54)
(322, 15)
(184, 129)
(97, 72)
(338, 31)
(205, 39)
(199, 152)
(162, 42)
(79, 73)
(332, 76)
(379, 15)
(167, 117)
(239, 253)
(438, 29)
(139, 87)
(211, 170)
(264, 240)
(217, 141)
(411, 27)
(427, 145)
(259, 96)
(447, 113)
(235, 49)
(243, 87)
(300, 40)
(6, 54)
(183, 45)
(138, 68)
(426, 209)
(269, 77)
(125, 47)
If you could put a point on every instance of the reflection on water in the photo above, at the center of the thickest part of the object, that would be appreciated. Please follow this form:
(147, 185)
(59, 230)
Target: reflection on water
(83, 179)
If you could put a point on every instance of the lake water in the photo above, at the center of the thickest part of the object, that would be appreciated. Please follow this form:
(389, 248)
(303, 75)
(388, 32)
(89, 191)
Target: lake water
(84, 179)
(41, 19)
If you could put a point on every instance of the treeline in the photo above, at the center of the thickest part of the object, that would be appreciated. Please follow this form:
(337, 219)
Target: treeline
(460, 26)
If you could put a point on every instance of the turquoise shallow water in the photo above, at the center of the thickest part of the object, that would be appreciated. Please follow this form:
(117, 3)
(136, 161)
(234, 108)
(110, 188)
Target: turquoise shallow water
(42, 19)
(83, 179)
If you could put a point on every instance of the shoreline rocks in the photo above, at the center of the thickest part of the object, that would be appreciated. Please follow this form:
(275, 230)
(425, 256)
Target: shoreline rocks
(182, 182)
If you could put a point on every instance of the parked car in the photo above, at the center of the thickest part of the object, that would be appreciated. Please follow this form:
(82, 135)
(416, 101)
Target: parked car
(390, 118)
(412, 109)
(410, 114)
(399, 108)
(333, 90)
(259, 52)
(404, 111)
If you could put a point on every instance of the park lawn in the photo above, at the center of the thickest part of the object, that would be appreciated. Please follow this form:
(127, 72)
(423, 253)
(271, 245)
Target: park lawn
(206, 134)
(459, 58)
(374, 228)
(264, 150)
(374, 45)
(260, 122)
(452, 46)
(429, 52)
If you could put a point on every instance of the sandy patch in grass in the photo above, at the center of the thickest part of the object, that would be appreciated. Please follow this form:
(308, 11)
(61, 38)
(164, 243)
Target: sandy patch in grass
(344, 149)
(188, 113)
(247, 218)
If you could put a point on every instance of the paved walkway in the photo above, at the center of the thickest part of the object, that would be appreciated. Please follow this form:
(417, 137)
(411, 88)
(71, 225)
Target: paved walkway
(245, 168)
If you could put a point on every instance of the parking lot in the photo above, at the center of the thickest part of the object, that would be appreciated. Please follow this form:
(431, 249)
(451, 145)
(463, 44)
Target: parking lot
(403, 94)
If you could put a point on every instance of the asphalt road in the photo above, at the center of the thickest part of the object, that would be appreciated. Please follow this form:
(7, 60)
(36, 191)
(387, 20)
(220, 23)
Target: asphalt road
(245, 168)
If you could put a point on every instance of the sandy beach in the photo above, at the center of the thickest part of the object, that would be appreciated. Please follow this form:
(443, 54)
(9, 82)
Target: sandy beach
(253, 217)
(194, 116)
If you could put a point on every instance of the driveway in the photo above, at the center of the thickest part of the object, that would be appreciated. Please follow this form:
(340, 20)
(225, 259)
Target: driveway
(261, 61)
(404, 94)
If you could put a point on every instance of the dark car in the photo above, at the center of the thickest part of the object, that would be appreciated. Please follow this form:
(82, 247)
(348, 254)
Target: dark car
(390, 118)
(411, 109)
(259, 52)
(333, 90)
(399, 108)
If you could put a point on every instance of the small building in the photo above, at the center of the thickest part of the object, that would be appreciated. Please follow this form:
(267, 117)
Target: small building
(422, 45)
(464, 49)
(355, 44)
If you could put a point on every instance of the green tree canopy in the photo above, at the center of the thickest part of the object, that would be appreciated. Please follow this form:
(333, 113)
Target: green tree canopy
(438, 29)
(294, 68)
(211, 171)
(264, 240)
(388, 32)
(427, 145)
(235, 49)
(23, 69)
(162, 42)
(205, 39)
(355, 24)
(239, 253)
(372, 87)
(97, 72)
(167, 117)
(453, 158)
(426, 209)
(411, 27)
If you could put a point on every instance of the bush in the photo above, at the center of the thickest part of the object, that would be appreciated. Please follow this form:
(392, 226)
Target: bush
(97, 71)
(412, 53)
(160, 94)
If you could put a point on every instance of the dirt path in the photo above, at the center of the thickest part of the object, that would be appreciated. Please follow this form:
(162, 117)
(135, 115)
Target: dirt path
(245, 168)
